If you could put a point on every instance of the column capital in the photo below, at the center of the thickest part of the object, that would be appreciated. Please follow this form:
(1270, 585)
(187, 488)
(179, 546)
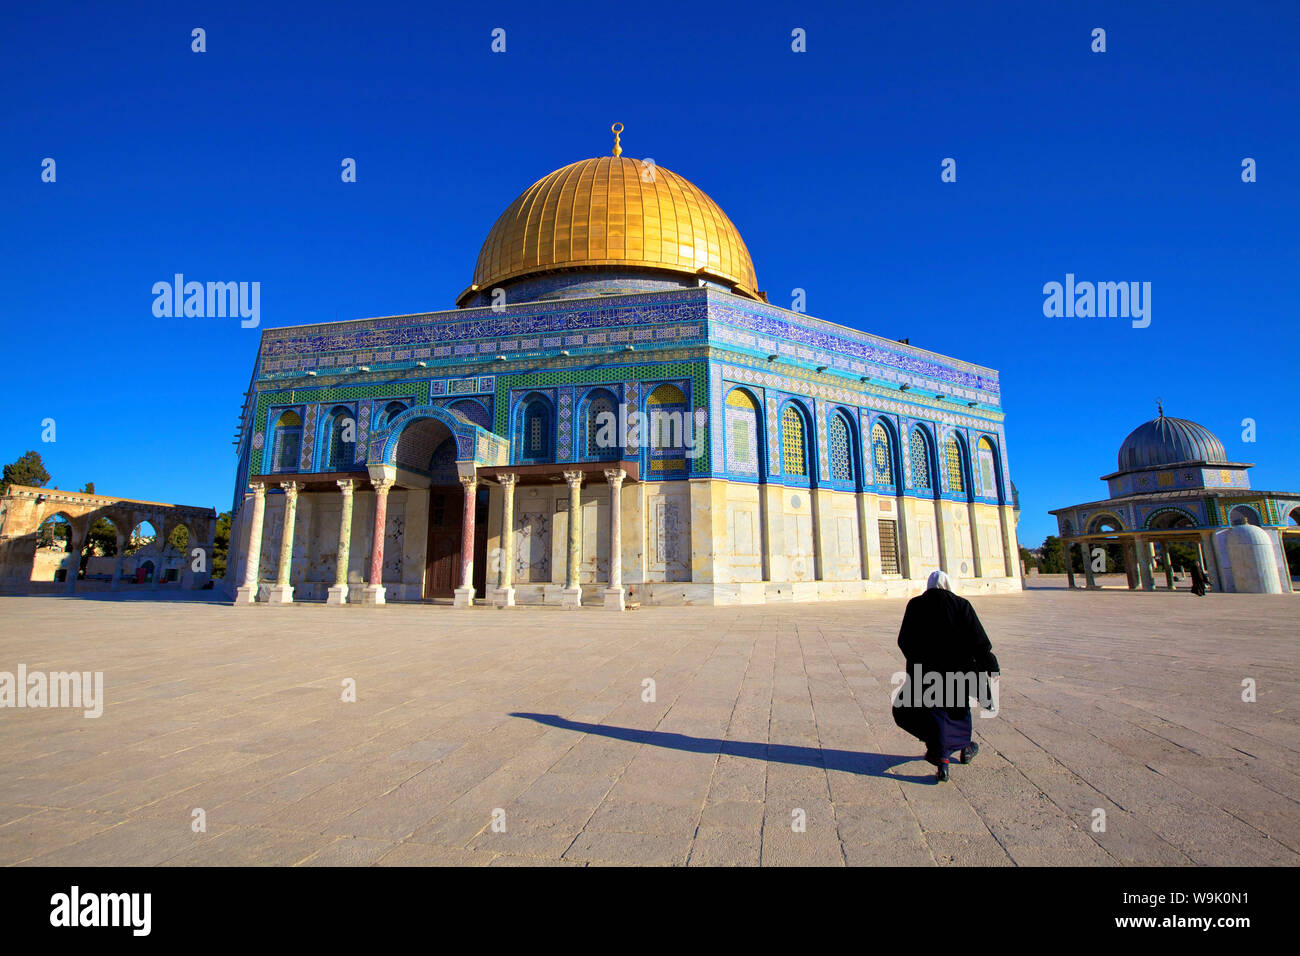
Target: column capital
(346, 485)
(259, 489)
(382, 485)
(574, 478)
(469, 481)
(615, 476)
(291, 488)
(507, 480)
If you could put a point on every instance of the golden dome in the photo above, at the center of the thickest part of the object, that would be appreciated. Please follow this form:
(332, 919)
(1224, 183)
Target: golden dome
(614, 211)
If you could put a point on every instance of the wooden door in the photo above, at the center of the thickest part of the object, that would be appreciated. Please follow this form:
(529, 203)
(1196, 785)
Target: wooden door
(442, 557)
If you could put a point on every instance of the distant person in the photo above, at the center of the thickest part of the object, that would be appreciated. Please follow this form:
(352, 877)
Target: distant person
(942, 635)
(1198, 579)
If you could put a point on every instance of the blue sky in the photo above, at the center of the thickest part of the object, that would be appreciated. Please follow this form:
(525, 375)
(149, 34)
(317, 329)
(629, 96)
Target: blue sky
(225, 166)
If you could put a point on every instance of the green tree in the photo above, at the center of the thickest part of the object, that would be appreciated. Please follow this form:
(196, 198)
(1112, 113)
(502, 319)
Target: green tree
(27, 470)
(89, 489)
(1028, 558)
(1052, 560)
(221, 545)
(179, 539)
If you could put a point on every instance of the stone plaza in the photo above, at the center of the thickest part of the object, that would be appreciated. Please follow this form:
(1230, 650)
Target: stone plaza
(528, 735)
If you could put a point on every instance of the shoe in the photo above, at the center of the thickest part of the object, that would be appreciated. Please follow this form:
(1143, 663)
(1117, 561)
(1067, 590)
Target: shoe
(969, 752)
(942, 776)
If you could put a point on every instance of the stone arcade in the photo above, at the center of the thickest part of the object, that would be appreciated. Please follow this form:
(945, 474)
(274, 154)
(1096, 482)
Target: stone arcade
(459, 454)
(26, 567)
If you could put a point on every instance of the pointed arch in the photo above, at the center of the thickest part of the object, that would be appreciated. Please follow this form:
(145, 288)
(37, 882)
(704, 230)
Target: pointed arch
(340, 438)
(885, 460)
(598, 438)
(796, 462)
(990, 469)
(286, 442)
(921, 454)
(390, 411)
(743, 439)
(669, 432)
(842, 447)
(534, 431)
(957, 465)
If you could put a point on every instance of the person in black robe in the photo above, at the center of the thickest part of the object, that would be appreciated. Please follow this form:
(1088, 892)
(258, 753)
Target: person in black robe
(941, 634)
(1198, 579)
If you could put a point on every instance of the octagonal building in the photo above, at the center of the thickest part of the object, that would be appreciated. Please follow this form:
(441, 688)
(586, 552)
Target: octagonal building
(613, 414)
(1174, 484)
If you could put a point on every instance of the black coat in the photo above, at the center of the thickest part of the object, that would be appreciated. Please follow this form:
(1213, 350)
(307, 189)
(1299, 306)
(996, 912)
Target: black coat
(941, 633)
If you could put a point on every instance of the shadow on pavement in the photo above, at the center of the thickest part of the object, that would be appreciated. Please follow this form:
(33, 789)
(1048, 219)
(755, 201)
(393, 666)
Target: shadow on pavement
(850, 761)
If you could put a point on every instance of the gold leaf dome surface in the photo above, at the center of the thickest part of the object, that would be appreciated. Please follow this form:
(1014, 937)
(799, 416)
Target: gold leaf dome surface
(615, 211)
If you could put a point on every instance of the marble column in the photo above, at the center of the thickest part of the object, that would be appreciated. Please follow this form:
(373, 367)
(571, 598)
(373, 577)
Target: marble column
(116, 583)
(338, 594)
(571, 596)
(1085, 547)
(614, 593)
(247, 593)
(374, 591)
(160, 541)
(464, 595)
(1210, 561)
(1067, 553)
(1283, 568)
(282, 593)
(505, 596)
(1143, 547)
(76, 541)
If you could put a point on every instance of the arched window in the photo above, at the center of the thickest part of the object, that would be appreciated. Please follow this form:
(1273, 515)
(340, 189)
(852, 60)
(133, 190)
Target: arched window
(535, 430)
(794, 453)
(839, 448)
(391, 411)
(287, 446)
(601, 427)
(743, 454)
(671, 431)
(920, 461)
(341, 450)
(956, 468)
(988, 468)
(882, 454)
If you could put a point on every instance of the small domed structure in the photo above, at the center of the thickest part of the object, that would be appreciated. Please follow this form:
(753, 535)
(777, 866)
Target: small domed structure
(1170, 441)
(1176, 491)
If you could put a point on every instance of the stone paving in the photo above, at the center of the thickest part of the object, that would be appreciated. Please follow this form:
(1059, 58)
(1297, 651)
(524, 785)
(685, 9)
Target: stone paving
(1129, 703)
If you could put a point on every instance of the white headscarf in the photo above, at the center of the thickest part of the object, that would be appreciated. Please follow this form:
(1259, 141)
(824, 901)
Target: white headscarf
(938, 579)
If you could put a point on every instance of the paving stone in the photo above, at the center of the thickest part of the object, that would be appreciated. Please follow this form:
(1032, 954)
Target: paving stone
(1125, 702)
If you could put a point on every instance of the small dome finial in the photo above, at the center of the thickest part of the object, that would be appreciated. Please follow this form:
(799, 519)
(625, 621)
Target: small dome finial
(1160, 408)
(616, 129)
